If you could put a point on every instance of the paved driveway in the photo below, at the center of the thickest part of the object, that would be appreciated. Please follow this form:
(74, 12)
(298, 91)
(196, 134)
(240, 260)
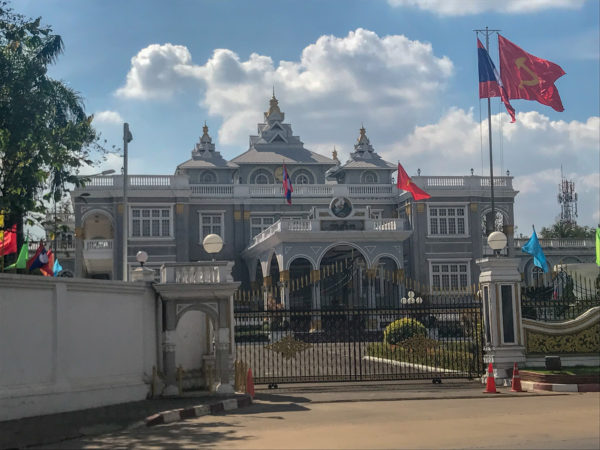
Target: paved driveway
(294, 420)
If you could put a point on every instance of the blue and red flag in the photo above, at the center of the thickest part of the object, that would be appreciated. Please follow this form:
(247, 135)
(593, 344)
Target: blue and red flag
(287, 186)
(489, 79)
(42, 259)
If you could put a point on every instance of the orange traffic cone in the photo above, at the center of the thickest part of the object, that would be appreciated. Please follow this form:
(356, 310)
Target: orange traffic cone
(490, 387)
(249, 383)
(516, 380)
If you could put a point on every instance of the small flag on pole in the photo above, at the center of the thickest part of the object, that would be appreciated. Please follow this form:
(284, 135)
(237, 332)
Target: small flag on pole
(57, 267)
(406, 184)
(21, 262)
(8, 243)
(490, 84)
(287, 186)
(534, 248)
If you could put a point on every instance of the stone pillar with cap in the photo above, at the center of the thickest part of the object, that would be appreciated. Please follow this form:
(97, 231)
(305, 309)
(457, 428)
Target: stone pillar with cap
(500, 283)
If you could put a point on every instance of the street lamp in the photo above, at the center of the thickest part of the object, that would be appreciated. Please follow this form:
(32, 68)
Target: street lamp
(127, 138)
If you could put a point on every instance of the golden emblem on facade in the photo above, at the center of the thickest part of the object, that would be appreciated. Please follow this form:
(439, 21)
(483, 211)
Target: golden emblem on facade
(288, 347)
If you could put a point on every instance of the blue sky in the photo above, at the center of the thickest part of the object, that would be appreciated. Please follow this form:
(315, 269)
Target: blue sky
(407, 69)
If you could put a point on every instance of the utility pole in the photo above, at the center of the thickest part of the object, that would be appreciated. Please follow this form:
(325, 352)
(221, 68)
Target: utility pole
(490, 226)
(127, 138)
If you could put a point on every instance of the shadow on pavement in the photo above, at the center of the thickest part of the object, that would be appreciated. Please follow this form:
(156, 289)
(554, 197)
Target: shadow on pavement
(68, 425)
(186, 434)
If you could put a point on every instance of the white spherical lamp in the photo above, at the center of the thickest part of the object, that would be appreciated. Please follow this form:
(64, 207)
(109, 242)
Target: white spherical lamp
(497, 240)
(212, 244)
(141, 257)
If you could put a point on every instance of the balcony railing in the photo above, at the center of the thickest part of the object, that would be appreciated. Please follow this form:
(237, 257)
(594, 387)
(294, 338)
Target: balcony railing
(61, 246)
(98, 244)
(309, 225)
(152, 182)
(558, 243)
(472, 182)
(196, 273)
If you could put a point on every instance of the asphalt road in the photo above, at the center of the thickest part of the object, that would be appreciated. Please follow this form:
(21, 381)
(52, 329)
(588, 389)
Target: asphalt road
(295, 420)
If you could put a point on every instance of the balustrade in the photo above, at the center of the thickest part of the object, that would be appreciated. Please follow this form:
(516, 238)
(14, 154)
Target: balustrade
(98, 244)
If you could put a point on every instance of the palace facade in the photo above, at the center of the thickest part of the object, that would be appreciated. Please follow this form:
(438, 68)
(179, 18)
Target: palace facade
(349, 213)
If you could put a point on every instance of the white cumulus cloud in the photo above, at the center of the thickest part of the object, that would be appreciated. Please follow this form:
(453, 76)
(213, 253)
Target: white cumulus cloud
(155, 70)
(110, 117)
(533, 149)
(466, 7)
(336, 83)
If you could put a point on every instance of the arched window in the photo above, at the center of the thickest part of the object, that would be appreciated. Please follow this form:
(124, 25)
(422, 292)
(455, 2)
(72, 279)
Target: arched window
(369, 178)
(261, 178)
(302, 176)
(209, 178)
(302, 179)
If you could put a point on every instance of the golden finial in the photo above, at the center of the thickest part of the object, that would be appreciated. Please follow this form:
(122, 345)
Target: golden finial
(205, 128)
(335, 153)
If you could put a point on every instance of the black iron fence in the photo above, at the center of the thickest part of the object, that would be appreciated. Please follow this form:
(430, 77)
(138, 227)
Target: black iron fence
(565, 297)
(401, 336)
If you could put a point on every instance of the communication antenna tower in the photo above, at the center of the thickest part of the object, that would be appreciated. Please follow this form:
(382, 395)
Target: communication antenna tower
(567, 198)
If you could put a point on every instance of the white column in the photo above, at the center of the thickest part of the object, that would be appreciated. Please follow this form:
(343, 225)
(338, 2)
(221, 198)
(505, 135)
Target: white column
(500, 283)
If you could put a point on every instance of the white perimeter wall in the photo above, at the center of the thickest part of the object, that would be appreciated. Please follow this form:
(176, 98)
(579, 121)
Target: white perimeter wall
(69, 344)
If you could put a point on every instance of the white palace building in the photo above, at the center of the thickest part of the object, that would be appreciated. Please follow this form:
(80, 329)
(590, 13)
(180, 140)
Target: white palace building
(340, 211)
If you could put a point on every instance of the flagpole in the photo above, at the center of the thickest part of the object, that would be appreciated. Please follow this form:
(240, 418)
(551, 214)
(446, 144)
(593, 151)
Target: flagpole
(490, 227)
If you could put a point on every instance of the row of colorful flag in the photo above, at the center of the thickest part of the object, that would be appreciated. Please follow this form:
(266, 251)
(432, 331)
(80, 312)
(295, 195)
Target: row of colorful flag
(43, 259)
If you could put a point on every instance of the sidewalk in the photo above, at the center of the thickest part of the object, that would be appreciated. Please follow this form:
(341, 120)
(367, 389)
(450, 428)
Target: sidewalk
(58, 427)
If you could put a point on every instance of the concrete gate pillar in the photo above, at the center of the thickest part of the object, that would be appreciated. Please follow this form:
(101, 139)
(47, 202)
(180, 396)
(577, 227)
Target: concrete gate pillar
(206, 287)
(500, 283)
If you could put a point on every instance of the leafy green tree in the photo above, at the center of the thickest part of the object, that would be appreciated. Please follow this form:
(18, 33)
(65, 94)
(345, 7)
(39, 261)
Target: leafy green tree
(567, 230)
(45, 135)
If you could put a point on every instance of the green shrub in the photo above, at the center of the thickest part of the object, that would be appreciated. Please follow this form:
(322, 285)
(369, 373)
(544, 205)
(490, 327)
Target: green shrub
(403, 329)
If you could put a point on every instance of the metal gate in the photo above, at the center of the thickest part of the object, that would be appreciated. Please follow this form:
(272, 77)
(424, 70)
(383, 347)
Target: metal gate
(398, 332)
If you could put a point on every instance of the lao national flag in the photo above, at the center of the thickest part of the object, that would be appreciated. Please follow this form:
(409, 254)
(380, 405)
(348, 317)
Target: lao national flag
(42, 259)
(287, 186)
(489, 84)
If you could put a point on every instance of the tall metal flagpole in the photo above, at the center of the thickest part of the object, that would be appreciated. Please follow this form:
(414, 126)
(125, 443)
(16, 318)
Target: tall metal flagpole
(490, 226)
(127, 137)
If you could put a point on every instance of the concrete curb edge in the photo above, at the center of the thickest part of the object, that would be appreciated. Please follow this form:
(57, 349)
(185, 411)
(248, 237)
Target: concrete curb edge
(175, 415)
(555, 387)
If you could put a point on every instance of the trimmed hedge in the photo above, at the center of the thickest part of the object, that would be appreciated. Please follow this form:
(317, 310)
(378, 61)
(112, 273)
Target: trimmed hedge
(402, 329)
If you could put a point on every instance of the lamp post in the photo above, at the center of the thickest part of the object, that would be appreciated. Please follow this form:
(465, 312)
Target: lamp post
(127, 138)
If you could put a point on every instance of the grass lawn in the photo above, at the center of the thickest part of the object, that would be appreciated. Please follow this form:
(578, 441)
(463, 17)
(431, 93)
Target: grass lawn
(576, 370)
(447, 355)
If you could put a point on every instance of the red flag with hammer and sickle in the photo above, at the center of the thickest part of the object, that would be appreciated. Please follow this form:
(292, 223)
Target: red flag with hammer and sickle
(528, 77)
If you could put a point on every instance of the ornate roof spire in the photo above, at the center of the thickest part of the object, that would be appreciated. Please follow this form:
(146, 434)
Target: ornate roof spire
(274, 112)
(362, 143)
(205, 143)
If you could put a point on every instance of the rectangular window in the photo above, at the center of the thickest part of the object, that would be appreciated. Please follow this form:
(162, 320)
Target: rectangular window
(211, 223)
(447, 221)
(449, 275)
(150, 222)
(260, 223)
